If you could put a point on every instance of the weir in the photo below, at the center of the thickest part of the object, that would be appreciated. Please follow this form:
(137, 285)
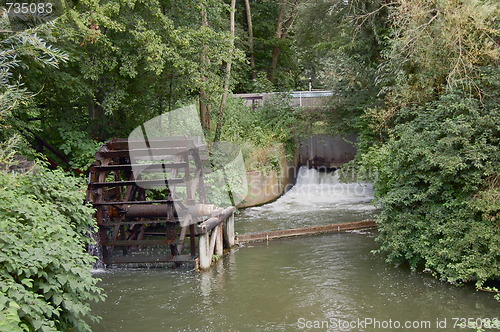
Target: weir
(318, 203)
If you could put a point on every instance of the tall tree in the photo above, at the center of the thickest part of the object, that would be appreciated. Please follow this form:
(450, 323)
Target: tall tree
(227, 78)
(251, 54)
(205, 114)
(287, 15)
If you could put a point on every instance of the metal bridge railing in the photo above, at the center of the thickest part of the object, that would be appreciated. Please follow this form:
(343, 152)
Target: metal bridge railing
(298, 98)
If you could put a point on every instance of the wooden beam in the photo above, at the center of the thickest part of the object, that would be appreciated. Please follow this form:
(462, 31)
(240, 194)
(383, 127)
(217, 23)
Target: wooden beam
(149, 259)
(229, 232)
(333, 228)
(213, 240)
(209, 224)
(135, 242)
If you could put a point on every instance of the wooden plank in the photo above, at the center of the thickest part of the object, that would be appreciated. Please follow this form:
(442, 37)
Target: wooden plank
(158, 233)
(135, 242)
(165, 157)
(150, 259)
(158, 166)
(140, 222)
(332, 228)
(162, 201)
(157, 182)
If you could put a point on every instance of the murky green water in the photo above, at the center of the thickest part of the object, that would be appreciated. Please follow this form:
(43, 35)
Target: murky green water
(329, 281)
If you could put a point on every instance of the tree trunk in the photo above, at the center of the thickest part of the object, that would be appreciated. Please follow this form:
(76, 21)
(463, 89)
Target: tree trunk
(287, 15)
(227, 79)
(97, 117)
(250, 38)
(205, 117)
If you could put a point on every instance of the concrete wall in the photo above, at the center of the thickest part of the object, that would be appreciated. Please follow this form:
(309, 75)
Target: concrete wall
(327, 151)
(317, 151)
(267, 187)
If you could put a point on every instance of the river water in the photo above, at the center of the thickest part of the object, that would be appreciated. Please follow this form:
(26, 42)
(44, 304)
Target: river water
(331, 281)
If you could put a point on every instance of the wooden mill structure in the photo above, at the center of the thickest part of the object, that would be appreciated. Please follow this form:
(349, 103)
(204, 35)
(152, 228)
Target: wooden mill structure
(151, 203)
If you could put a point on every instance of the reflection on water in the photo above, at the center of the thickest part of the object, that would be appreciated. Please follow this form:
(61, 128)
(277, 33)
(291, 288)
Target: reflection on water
(282, 284)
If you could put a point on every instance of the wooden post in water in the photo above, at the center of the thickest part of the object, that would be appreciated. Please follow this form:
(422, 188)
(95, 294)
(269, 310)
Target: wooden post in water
(219, 247)
(213, 237)
(214, 234)
(204, 255)
(229, 232)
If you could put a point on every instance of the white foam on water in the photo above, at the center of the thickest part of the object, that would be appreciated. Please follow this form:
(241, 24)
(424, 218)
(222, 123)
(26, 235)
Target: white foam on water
(99, 271)
(318, 191)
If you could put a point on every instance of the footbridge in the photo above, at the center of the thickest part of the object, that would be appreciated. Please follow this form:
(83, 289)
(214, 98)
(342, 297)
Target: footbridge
(308, 99)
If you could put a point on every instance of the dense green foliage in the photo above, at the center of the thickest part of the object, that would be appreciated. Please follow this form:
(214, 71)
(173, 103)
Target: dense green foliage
(266, 134)
(17, 49)
(438, 187)
(437, 153)
(45, 280)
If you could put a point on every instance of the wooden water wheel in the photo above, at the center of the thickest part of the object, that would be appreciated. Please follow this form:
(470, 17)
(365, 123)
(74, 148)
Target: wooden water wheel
(149, 199)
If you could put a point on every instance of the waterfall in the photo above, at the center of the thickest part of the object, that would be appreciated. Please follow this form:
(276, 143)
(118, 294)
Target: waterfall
(315, 188)
(317, 198)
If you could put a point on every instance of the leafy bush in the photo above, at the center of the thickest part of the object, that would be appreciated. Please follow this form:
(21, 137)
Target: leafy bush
(281, 120)
(45, 279)
(439, 189)
(275, 122)
(266, 134)
(79, 147)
